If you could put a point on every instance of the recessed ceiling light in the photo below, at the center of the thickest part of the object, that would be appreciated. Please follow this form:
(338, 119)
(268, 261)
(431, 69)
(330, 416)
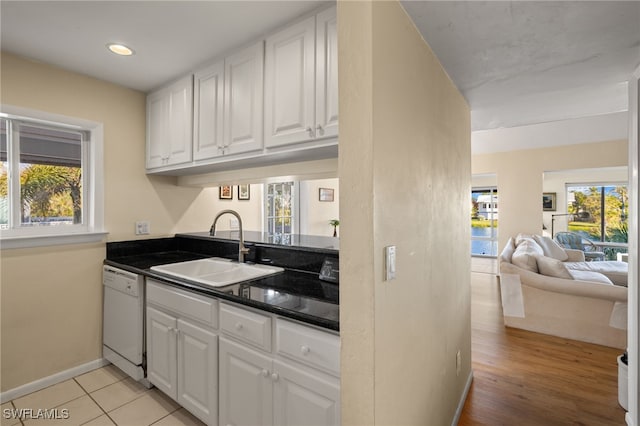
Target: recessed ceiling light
(120, 49)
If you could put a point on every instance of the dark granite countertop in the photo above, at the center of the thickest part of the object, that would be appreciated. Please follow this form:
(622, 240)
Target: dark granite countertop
(294, 293)
(305, 242)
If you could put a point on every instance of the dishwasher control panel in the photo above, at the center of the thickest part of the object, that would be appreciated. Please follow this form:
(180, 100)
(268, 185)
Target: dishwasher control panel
(123, 281)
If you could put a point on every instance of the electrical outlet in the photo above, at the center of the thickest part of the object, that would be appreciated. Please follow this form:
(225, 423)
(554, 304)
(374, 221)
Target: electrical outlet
(458, 362)
(234, 224)
(143, 227)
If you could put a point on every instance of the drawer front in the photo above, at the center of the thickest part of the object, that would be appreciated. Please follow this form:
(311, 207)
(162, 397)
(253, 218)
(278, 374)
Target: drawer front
(185, 303)
(246, 325)
(308, 345)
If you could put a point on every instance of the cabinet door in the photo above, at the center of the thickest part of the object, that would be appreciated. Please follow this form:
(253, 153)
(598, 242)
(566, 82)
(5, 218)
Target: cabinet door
(290, 85)
(170, 124)
(161, 351)
(246, 394)
(326, 74)
(243, 97)
(208, 116)
(198, 371)
(304, 397)
(181, 121)
(157, 128)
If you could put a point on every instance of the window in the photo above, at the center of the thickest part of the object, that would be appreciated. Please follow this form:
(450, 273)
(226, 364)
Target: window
(50, 183)
(599, 211)
(484, 221)
(281, 208)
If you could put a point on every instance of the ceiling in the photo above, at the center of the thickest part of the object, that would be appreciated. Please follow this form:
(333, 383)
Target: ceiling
(515, 62)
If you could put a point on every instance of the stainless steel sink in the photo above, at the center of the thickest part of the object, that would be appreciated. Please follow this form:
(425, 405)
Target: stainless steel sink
(216, 272)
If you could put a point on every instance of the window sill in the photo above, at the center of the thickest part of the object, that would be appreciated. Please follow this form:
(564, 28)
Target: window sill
(51, 240)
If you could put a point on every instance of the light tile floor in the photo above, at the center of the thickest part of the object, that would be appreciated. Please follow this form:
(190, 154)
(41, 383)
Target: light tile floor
(102, 397)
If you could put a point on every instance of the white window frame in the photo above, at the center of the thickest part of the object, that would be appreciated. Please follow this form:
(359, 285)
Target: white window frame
(92, 228)
(295, 213)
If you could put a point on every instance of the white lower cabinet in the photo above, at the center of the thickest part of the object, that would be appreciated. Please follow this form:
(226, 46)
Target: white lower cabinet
(182, 354)
(256, 389)
(261, 370)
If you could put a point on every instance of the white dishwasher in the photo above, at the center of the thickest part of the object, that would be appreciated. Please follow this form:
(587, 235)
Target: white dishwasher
(123, 335)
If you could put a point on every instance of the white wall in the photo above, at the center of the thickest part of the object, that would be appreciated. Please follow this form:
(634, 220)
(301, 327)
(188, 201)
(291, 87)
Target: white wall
(315, 214)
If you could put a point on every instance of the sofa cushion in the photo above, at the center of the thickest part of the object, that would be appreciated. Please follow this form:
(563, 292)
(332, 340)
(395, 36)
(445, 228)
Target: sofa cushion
(617, 272)
(552, 267)
(525, 255)
(590, 276)
(551, 248)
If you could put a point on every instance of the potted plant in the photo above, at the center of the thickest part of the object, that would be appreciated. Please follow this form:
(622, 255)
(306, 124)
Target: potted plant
(335, 223)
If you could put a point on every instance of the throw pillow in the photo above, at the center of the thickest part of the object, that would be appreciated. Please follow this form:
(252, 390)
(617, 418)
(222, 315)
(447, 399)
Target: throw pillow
(551, 248)
(552, 267)
(590, 276)
(525, 256)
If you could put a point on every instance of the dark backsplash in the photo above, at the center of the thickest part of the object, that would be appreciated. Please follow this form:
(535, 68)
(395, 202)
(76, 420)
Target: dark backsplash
(297, 258)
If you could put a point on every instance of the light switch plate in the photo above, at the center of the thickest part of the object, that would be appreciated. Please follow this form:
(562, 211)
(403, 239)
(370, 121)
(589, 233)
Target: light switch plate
(389, 263)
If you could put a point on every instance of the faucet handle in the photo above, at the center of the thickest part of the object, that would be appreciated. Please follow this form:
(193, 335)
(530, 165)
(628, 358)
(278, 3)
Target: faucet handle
(245, 250)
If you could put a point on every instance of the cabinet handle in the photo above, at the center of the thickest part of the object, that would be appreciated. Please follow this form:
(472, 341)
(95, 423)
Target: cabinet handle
(239, 326)
(304, 350)
(265, 373)
(320, 130)
(275, 377)
(311, 132)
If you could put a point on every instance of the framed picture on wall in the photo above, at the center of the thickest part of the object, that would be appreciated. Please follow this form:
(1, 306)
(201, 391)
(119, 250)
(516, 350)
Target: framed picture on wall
(549, 201)
(326, 194)
(226, 192)
(244, 192)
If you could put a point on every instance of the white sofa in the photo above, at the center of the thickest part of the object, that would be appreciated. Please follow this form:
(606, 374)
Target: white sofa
(565, 298)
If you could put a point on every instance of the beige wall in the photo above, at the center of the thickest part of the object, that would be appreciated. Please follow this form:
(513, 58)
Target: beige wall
(315, 214)
(404, 170)
(52, 296)
(520, 174)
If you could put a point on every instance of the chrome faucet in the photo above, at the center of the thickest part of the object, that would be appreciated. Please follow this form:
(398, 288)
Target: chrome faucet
(242, 250)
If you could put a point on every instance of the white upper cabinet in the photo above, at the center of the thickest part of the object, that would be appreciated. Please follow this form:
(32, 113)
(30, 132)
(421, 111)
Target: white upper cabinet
(301, 82)
(290, 84)
(243, 97)
(208, 112)
(170, 124)
(228, 105)
(326, 74)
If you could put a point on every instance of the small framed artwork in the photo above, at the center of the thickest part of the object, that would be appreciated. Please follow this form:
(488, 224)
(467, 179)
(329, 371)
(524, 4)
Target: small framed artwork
(226, 192)
(549, 201)
(244, 192)
(326, 194)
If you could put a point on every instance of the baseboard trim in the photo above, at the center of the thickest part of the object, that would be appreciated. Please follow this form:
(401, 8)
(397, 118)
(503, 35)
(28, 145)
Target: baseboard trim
(628, 419)
(51, 380)
(463, 399)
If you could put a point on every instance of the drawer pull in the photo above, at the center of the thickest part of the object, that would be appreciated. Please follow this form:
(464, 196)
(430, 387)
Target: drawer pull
(304, 350)
(239, 326)
(265, 373)
(275, 377)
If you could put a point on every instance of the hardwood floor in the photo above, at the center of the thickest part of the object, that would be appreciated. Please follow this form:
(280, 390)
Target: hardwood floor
(526, 378)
